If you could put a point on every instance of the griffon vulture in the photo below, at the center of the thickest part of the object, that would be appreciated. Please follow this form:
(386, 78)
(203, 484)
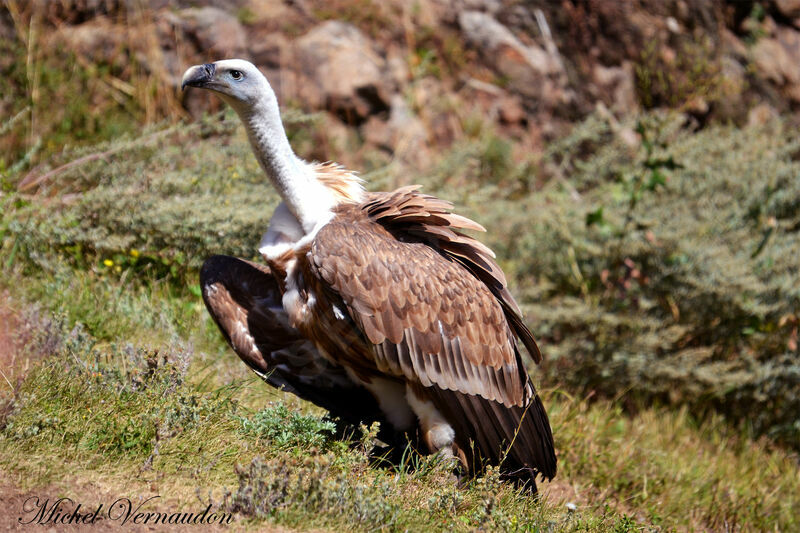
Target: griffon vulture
(376, 306)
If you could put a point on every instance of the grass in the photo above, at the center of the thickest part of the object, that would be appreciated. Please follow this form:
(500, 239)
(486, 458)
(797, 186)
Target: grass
(153, 415)
(660, 279)
(117, 87)
(130, 381)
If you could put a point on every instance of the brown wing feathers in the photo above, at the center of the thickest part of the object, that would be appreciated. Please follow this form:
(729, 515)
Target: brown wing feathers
(428, 218)
(520, 437)
(243, 299)
(434, 304)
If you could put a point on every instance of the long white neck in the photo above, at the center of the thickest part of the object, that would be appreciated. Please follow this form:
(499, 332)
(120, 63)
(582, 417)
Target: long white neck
(308, 200)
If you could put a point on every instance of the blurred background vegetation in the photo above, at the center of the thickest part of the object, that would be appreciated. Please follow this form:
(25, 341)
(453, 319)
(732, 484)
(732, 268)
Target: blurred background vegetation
(636, 165)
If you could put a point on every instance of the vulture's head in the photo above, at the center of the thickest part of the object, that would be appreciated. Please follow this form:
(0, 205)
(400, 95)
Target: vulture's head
(237, 81)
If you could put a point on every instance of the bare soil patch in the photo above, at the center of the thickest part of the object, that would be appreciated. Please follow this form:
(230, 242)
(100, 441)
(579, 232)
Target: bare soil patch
(9, 344)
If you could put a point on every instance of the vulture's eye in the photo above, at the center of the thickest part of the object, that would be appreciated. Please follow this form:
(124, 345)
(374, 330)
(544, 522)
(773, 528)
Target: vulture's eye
(236, 75)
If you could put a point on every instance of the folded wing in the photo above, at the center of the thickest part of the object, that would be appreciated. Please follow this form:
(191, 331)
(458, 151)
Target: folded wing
(244, 300)
(434, 305)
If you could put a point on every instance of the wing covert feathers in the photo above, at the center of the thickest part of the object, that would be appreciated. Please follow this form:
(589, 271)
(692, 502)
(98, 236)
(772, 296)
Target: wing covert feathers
(429, 219)
(434, 305)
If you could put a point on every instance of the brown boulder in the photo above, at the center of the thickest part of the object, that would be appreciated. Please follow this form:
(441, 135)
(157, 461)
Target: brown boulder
(344, 73)
(216, 33)
(778, 60)
(97, 41)
(761, 114)
(271, 50)
(532, 72)
(788, 8)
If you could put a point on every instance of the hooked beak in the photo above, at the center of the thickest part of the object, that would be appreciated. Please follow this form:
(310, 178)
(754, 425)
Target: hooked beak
(198, 75)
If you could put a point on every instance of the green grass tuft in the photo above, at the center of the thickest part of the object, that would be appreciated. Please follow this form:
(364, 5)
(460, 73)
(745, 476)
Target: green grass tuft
(285, 429)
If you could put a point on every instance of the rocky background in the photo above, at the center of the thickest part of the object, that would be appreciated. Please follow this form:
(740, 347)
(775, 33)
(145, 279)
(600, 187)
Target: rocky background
(406, 76)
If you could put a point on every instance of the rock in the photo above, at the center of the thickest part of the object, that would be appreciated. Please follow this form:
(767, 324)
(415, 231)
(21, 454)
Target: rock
(487, 6)
(490, 37)
(618, 83)
(697, 106)
(734, 74)
(788, 8)
(270, 51)
(761, 114)
(450, 10)
(510, 110)
(769, 26)
(376, 132)
(494, 102)
(732, 45)
(778, 60)
(96, 41)
(403, 134)
(344, 73)
(216, 32)
(330, 136)
(731, 104)
(673, 25)
(531, 71)
(771, 60)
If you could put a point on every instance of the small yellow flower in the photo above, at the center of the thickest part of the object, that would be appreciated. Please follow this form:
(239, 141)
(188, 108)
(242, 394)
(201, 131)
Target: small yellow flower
(235, 175)
(108, 262)
(134, 252)
(117, 268)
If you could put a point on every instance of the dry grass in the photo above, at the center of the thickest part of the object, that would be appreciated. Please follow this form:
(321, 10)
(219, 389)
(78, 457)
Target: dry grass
(98, 409)
(670, 322)
(654, 468)
(118, 73)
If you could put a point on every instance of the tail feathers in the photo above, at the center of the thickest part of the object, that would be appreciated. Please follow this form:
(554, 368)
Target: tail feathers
(518, 439)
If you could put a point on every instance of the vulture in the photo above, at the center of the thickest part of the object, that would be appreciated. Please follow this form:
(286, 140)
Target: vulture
(376, 306)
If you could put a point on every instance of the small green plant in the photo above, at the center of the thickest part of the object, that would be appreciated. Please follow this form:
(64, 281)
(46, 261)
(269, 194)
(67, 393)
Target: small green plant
(246, 16)
(286, 429)
(437, 53)
(754, 24)
(647, 178)
(681, 76)
(106, 391)
(318, 487)
(373, 17)
(651, 176)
